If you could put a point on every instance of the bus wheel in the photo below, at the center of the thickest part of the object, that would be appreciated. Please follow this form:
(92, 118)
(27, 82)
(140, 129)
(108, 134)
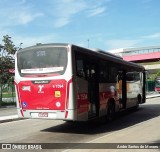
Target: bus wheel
(139, 100)
(110, 111)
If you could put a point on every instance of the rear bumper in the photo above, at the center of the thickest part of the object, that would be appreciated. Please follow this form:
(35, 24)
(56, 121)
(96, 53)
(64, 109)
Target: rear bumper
(47, 114)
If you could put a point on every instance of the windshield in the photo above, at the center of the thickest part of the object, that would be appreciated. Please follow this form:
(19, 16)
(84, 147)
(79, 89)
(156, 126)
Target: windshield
(42, 60)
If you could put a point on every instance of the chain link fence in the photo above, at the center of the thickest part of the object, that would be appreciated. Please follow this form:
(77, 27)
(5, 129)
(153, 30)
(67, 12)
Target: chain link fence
(8, 95)
(150, 85)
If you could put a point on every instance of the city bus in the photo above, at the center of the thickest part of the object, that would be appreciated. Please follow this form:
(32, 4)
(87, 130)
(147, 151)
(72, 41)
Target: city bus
(157, 84)
(71, 83)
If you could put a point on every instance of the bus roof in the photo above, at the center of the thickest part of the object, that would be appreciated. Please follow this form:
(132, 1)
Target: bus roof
(44, 45)
(96, 52)
(130, 66)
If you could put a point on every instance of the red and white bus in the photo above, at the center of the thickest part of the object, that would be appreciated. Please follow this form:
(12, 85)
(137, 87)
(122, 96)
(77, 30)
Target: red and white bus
(71, 83)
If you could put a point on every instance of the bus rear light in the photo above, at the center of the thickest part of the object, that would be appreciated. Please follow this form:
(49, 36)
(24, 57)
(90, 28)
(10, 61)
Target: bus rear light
(66, 114)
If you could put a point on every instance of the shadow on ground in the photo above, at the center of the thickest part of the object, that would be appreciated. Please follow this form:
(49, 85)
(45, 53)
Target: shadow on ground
(123, 120)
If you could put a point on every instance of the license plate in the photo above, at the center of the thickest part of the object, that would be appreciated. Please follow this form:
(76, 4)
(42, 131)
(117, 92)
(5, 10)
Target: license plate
(43, 114)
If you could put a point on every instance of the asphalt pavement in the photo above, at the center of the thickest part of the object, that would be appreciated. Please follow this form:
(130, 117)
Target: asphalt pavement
(131, 139)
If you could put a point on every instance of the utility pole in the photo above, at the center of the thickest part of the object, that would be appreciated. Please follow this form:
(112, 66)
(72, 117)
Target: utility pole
(88, 43)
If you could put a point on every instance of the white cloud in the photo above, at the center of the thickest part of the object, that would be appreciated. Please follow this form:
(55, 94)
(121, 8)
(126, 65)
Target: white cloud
(33, 40)
(59, 12)
(116, 43)
(96, 11)
(24, 17)
(61, 22)
(147, 40)
(152, 36)
(17, 13)
(65, 10)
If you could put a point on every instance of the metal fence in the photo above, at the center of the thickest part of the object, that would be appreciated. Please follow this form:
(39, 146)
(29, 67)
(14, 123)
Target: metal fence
(8, 93)
(150, 86)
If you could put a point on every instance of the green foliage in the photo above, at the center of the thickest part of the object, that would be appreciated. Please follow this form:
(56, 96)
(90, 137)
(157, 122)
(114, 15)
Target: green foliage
(8, 103)
(158, 74)
(8, 47)
(7, 51)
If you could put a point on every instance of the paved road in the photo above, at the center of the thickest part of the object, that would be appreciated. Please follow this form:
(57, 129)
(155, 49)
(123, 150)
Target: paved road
(47, 131)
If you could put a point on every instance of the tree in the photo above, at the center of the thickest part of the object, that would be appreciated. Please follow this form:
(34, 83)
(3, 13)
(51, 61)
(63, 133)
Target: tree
(158, 74)
(7, 51)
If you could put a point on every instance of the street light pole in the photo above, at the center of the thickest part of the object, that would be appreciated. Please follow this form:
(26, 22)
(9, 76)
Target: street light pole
(88, 43)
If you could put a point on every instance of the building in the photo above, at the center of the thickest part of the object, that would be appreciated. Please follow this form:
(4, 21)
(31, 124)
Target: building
(149, 57)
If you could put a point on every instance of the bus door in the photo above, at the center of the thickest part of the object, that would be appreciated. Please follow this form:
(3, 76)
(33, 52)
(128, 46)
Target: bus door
(144, 87)
(122, 88)
(93, 89)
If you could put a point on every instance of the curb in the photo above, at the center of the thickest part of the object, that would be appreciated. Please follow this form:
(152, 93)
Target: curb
(10, 120)
(152, 96)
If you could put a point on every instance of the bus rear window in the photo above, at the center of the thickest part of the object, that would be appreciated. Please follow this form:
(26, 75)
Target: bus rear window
(46, 60)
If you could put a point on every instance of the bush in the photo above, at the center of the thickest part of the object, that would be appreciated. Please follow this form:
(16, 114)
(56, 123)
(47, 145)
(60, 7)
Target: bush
(158, 74)
(8, 103)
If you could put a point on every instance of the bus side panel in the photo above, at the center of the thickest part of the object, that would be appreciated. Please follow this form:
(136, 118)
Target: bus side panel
(133, 90)
(82, 99)
(106, 92)
(71, 103)
(103, 97)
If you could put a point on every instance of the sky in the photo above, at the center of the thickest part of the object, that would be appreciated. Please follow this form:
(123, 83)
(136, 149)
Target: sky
(104, 24)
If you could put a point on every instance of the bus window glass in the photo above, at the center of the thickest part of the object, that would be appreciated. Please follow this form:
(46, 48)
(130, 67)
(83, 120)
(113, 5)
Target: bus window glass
(42, 61)
(80, 69)
(103, 72)
(113, 72)
(133, 76)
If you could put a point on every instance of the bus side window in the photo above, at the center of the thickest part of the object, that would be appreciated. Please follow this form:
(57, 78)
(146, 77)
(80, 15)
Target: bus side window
(133, 76)
(80, 69)
(103, 72)
(113, 72)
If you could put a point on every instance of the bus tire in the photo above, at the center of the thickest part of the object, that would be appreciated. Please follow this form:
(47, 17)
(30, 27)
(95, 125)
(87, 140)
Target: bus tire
(139, 100)
(110, 111)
